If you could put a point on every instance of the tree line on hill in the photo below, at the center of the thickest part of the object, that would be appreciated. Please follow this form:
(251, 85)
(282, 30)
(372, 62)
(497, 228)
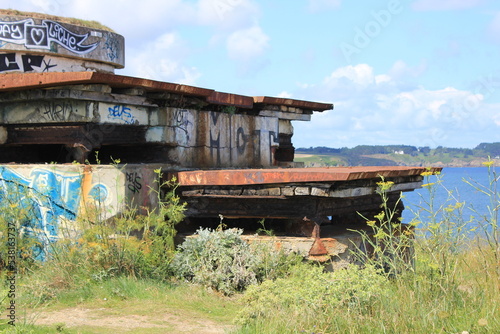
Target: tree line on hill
(482, 150)
(386, 154)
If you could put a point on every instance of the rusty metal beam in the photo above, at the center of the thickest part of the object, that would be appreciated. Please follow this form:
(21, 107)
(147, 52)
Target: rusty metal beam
(291, 175)
(228, 99)
(293, 103)
(23, 81)
(18, 81)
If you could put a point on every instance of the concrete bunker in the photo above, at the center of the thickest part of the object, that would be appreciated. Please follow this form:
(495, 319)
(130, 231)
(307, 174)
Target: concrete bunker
(60, 102)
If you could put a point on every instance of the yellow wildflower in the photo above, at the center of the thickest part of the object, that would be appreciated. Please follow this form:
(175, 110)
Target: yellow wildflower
(433, 265)
(408, 232)
(385, 185)
(381, 234)
(488, 163)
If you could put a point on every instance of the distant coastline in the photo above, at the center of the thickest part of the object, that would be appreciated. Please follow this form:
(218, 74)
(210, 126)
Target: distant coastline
(399, 155)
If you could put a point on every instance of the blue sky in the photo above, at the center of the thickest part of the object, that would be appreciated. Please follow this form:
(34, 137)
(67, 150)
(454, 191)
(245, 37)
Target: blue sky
(414, 72)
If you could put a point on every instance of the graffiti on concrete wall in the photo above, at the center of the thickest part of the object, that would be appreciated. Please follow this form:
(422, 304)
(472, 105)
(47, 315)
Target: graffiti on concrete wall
(26, 63)
(58, 110)
(44, 198)
(41, 36)
(112, 46)
(217, 143)
(259, 141)
(217, 139)
(134, 181)
(121, 113)
(249, 139)
(183, 125)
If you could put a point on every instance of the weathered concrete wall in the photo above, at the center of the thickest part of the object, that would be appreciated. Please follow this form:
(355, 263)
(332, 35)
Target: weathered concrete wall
(49, 197)
(195, 138)
(11, 62)
(215, 139)
(37, 45)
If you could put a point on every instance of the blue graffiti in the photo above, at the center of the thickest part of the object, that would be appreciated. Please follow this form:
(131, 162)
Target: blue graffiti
(121, 113)
(99, 193)
(111, 46)
(43, 199)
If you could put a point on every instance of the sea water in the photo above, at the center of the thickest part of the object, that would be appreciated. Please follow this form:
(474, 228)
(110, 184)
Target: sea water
(468, 186)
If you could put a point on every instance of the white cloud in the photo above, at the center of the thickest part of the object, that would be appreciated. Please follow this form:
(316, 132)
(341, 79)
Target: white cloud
(247, 44)
(320, 5)
(163, 59)
(151, 18)
(236, 24)
(227, 14)
(136, 21)
(496, 118)
(233, 25)
(431, 5)
(285, 94)
(382, 78)
(360, 75)
(378, 109)
(401, 70)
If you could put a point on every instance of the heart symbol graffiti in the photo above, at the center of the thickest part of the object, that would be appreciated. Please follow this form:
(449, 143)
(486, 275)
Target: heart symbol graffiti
(37, 35)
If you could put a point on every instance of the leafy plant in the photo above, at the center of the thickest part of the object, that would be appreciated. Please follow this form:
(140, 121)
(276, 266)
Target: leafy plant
(488, 223)
(314, 294)
(390, 243)
(159, 227)
(221, 260)
(263, 230)
(231, 110)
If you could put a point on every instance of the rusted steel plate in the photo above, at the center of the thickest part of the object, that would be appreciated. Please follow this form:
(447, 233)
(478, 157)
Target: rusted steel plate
(17, 81)
(293, 103)
(231, 99)
(291, 175)
(318, 248)
(335, 249)
(234, 196)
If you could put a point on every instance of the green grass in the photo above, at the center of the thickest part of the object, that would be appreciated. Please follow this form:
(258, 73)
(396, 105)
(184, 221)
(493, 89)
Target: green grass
(443, 159)
(320, 160)
(161, 307)
(466, 299)
(417, 303)
(69, 20)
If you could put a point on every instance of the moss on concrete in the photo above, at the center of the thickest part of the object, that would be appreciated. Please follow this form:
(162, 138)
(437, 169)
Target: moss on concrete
(68, 20)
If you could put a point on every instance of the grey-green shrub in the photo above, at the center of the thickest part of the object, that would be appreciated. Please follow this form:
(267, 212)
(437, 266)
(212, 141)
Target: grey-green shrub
(221, 260)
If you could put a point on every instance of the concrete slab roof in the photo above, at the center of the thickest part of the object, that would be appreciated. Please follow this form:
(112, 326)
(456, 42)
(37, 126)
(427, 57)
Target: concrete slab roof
(23, 81)
(230, 177)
